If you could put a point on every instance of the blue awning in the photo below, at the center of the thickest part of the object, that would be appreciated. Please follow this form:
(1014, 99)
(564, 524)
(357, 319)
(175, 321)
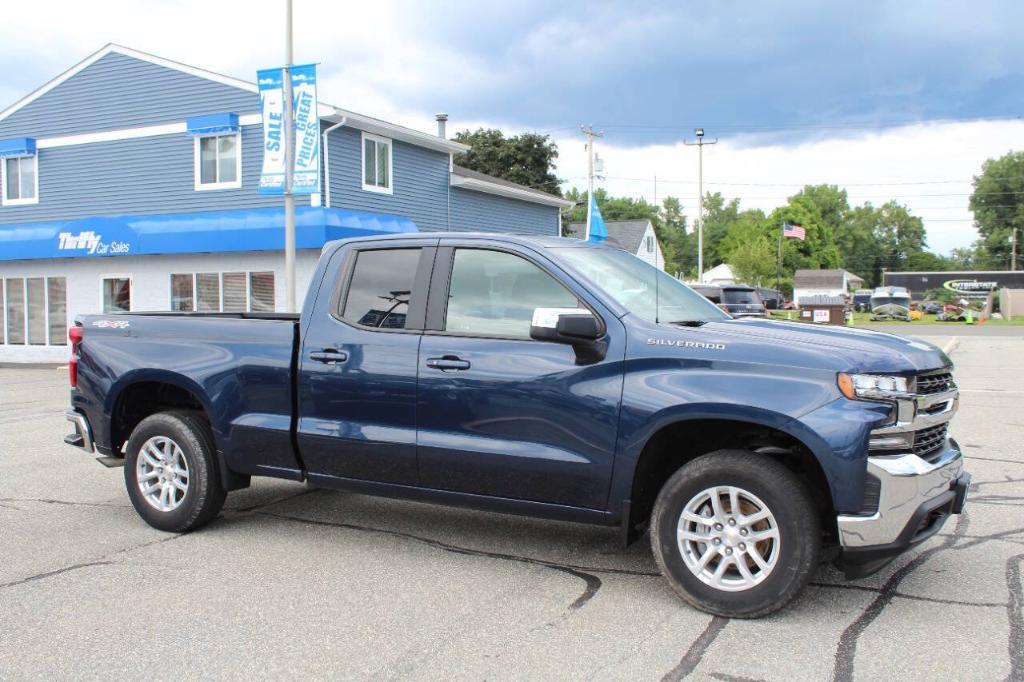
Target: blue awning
(212, 124)
(19, 146)
(206, 232)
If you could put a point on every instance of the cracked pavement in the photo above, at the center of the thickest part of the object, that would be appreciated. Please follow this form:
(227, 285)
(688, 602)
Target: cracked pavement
(291, 581)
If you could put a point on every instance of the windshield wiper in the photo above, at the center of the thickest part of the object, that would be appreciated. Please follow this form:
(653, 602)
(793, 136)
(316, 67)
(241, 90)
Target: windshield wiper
(689, 323)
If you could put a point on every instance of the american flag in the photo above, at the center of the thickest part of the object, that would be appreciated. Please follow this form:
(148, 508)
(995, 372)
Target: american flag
(793, 231)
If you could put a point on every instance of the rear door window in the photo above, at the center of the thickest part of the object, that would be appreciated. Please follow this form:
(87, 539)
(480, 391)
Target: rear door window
(381, 287)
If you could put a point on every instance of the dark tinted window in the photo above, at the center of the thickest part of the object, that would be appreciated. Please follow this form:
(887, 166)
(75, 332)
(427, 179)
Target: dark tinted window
(494, 294)
(381, 285)
(740, 296)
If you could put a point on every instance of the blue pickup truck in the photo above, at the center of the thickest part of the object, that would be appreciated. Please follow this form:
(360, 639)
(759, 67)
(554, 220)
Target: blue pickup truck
(547, 377)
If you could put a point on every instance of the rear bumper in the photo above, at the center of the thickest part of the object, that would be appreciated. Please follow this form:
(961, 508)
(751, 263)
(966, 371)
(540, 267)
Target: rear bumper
(82, 436)
(916, 497)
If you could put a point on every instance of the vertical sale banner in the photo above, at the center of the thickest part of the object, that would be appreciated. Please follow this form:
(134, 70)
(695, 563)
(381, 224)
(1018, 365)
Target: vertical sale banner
(306, 165)
(271, 89)
(306, 170)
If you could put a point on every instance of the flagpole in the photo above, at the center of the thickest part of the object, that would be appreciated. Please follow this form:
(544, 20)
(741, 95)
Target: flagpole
(778, 265)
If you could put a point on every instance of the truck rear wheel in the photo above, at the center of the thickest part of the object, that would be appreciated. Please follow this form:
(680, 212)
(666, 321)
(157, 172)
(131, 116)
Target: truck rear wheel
(171, 472)
(736, 534)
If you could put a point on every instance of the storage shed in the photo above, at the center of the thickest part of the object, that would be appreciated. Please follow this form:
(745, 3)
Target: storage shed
(823, 309)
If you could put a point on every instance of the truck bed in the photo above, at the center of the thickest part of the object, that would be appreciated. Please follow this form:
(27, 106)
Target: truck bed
(239, 366)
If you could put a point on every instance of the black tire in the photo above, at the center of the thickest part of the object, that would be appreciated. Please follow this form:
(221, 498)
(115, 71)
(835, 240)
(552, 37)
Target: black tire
(784, 495)
(205, 493)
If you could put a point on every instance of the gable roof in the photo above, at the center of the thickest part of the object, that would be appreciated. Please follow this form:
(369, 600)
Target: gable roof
(481, 182)
(628, 234)
(326, 111)
(825, 279)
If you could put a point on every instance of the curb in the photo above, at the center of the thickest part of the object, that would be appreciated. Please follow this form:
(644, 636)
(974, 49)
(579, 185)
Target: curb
(951, 345)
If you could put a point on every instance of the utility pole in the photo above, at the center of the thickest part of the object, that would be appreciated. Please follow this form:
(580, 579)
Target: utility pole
(1013, 248)
(699, 132)
(589, 132)
(289, 153)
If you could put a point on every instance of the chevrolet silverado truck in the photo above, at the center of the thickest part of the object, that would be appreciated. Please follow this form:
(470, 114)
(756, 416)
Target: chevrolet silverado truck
(540, 376)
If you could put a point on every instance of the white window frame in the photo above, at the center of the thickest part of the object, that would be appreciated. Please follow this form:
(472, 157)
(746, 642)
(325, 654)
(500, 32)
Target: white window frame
(131, 290)
(220, 274)
(391, 166)
(649, 243)
(3, 179)
(197, 168)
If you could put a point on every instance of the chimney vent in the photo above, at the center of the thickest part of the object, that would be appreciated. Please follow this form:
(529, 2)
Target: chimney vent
(441, 120)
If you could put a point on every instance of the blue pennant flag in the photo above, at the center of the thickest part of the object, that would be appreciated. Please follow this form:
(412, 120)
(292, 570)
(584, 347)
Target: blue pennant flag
(598, 232)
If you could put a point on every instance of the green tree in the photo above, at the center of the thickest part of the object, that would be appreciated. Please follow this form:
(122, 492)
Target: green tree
(998, 206)
(719, 215)
(750, 250)
(528, 159)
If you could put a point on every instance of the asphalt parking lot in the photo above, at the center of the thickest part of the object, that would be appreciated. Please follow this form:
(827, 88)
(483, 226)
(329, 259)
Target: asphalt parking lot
(292, 582)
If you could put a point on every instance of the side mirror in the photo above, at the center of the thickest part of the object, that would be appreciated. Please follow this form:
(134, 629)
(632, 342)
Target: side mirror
(577, 327)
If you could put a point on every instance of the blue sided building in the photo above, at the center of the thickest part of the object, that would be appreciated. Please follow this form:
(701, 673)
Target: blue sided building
(129, 182)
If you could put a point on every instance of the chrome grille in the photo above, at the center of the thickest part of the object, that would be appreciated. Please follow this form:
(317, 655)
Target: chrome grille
(927, 441)
(928, 384)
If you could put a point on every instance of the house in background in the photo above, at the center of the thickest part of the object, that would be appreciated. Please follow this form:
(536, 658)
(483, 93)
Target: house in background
(129, 183)
(810, 283)
(721, 274)
(635, 236)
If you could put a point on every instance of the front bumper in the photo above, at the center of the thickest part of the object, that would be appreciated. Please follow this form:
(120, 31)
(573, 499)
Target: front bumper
(916, 496)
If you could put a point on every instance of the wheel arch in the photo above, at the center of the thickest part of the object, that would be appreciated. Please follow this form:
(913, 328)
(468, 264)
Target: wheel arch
(140, 394)
(677, 436)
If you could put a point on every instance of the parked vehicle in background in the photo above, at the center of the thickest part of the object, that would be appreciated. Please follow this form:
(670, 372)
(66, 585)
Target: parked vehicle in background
(541, 376)
(890, 303)
(862, 300)
(741, 301)
(712, 292)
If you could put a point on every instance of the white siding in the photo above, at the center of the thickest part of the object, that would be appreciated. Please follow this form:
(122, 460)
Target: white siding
(655, 258)
(151, 284)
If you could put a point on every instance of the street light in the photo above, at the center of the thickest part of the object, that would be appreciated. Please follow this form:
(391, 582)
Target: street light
(699, 132)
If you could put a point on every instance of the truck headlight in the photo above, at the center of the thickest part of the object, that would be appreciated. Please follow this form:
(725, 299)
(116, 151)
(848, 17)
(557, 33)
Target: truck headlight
(872, 386)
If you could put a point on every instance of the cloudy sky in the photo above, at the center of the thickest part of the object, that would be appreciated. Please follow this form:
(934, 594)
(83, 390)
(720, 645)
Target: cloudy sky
(901, 99)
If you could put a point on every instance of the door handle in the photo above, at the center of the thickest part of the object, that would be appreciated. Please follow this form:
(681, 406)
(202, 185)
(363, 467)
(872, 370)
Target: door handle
(448, 363)
(329, 356)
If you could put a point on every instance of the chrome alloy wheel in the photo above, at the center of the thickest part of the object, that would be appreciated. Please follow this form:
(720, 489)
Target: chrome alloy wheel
(162, 473)
(728, 538)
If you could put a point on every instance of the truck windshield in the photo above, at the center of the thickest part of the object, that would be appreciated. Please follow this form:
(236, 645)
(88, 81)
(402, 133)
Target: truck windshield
(631, 282)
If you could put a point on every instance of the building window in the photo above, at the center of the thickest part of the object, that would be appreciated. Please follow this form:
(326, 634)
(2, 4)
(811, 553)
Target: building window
(21, 182)
(33, 311)
(228, 292)
(117, 294)
(218, 161)
(15, 311)
(376, 163)
(650, 244)
(57, 310)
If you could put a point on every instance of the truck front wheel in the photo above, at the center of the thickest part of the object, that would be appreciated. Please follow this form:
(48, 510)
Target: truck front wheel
(736, 534)
(170, 471)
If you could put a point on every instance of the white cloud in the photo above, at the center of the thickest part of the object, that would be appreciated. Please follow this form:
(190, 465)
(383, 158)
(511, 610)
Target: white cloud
(872, 166)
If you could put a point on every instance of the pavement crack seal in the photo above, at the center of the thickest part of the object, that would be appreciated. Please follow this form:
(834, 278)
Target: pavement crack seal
(593, 583)
(904, 595)
(50, 574)
(1015, 613)
(696, 652)
(65, 502)
(846, 651)
(102, 561)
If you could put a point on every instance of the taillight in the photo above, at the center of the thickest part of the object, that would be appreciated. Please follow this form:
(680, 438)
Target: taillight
(75, 336)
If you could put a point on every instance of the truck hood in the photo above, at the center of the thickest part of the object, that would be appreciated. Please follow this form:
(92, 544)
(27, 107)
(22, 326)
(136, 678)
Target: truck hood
(846, 349)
